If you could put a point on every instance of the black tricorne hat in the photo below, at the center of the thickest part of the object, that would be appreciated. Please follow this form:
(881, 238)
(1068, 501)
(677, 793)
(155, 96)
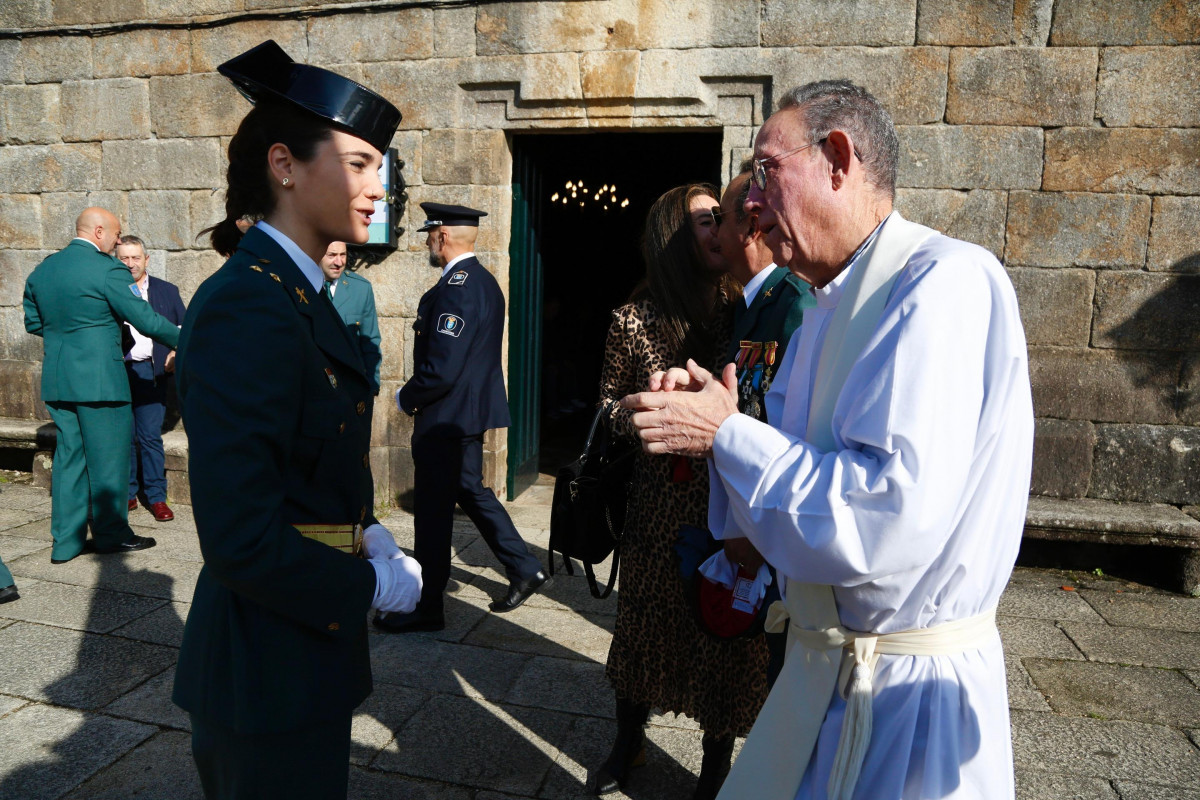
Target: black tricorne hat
(267, 72)
(441, 214)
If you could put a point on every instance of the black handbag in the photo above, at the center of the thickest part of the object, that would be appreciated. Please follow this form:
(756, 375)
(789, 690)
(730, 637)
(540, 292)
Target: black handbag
(591, 495)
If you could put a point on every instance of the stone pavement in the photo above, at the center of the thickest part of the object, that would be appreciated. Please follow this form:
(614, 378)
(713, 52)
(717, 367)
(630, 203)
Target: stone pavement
(1103, 680)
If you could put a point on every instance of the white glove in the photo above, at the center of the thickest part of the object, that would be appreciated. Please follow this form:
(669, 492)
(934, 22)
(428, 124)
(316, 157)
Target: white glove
(397, 583)
(379, 542)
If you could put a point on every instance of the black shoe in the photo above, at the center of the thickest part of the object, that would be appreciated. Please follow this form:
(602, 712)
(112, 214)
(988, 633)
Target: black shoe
(8, 594)
(413, 622)
(521, 591)
(629, 750)
(136, 543)
(718, 756)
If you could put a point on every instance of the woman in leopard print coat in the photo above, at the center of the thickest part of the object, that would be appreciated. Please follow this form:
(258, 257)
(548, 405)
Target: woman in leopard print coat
(659, 657)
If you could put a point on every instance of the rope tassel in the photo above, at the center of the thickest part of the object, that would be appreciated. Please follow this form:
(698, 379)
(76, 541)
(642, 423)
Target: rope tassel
(856, 723)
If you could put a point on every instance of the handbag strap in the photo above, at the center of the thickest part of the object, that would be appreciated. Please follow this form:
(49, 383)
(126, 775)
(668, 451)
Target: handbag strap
(594, 585)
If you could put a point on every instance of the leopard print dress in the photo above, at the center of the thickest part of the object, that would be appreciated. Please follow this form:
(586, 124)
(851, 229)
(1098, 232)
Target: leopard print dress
(659, 655)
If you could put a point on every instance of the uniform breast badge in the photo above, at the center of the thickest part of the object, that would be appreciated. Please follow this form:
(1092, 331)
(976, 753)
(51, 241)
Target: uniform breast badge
(332, 378)
(450, 325)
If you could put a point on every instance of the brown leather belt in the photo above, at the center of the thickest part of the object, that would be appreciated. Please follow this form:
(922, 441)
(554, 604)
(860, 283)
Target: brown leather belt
(347, 538)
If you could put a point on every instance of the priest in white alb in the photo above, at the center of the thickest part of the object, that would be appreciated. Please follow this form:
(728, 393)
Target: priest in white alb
(889, 487)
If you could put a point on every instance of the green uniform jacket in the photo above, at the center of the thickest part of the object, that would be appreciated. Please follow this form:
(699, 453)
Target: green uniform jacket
(763, 330)
(277, 409)
(355, 304)
(75, 300)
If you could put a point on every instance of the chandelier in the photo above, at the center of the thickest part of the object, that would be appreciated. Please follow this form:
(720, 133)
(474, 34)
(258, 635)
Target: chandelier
(604, 198)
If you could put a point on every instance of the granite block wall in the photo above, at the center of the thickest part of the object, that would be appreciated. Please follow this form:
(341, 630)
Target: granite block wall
(1062, 135)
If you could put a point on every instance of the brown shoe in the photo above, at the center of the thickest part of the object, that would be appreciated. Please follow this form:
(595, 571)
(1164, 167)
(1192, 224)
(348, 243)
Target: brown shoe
(133, 504)
(161, 512)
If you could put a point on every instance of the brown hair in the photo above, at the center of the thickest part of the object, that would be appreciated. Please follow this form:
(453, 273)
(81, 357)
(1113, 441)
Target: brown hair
(249, 191)
(677, 280)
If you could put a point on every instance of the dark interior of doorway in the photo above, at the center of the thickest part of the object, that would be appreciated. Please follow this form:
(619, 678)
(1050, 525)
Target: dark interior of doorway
(590, 254)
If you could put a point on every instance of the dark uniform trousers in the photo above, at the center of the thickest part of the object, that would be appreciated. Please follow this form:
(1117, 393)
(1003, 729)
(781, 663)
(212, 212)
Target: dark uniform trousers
(149, 409)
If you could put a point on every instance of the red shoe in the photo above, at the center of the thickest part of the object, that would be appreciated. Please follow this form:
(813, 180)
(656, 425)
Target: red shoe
(133, 504)
(161, 512)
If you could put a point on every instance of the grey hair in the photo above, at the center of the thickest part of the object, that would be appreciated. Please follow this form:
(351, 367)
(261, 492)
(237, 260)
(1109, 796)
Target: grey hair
(826, 106)
(129, 238)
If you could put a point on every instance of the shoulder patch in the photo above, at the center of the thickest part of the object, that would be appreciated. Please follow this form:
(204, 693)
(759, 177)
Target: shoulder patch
(458, 278)
(450, 325)
(133, 287)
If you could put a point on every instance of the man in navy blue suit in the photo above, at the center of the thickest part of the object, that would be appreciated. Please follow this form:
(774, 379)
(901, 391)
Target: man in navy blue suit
(456, 392)
(148, 364)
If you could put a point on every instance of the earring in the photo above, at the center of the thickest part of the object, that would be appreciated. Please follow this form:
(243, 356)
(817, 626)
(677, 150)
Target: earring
(286, 181)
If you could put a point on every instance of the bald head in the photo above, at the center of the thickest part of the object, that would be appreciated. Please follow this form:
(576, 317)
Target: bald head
(100, 227)
(448, 242)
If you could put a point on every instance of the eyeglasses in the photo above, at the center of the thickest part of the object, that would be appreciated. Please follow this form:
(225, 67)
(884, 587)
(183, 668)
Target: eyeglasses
(716, 215)
(759, 171)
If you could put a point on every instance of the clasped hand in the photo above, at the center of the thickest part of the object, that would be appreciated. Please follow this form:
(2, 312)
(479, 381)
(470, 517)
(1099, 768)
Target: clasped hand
(682, 409)
(397, 576)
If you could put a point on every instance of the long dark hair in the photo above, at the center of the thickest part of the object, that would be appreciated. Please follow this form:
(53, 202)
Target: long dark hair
(249, 190)
(677, 279)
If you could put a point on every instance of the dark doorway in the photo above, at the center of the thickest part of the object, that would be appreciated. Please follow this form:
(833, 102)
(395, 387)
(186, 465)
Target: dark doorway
(579, 206)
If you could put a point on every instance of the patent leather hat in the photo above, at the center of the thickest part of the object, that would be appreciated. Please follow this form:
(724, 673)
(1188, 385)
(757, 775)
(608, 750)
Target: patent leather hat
(437, 214)
(266, 72)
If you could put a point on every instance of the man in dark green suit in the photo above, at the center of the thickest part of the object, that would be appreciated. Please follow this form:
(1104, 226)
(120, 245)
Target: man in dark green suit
(764, 320)
(76, 300)
(354, 300)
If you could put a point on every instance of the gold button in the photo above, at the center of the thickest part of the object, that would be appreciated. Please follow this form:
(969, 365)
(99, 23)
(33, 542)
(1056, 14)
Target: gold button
(366, 460)
(361, 408)
(333, 626)
(342, 428)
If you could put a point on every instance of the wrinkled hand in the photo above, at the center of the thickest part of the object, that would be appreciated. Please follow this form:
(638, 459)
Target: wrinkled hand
(684, 422)
(676, 379)
(169, 363)
(397, 584)
(743, 553)
(379, 542)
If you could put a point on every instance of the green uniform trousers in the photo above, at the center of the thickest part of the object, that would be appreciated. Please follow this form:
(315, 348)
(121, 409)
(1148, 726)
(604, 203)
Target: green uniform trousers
(312, 763)
(6, 578)
(91, 472)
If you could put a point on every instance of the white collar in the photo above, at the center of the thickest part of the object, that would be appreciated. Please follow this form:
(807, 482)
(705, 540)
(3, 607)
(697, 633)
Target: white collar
(829, 294)
(750, 290)
(89, 241)
(450, 264)
(301, 259)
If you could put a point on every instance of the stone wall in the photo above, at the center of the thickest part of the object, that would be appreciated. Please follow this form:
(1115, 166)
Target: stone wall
(1062, 135)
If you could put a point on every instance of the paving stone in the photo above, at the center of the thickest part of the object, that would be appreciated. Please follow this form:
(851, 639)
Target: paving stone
(506, 748)
(37, 530)
(9, 704)
(1148, 160)
(46, 751)
(572, 593)
(79, 608)
(25, 498)
(1071, 229)
(672, 761)
(1099, 22)
(1151, 311)
(163, 626)
(31, 114)
(969, 157)
(1035, 637)
(1021, 86)
(973, 216)
(161, 768)
(151, 703)
(1157, 610)
(134, 573)
(1056, 305)
(1037, 785)
(1139, 86)
(1111, 691)
(964, 22)
(375, 785)
(380, 717)
(1147, 463)
(50, 168)
(1172, 235)
(69, 668)
(1103, 749)
(421, 663)
(542, 682)
(1145, 791)
(787, 23)
(1022, 694)
(13, 547)
(1104, 385)
(1046, 603)
(544, 632)
(1148, 648)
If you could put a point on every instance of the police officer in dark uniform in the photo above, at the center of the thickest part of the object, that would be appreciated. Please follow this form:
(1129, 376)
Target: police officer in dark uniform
(277, 406)
(456, 393)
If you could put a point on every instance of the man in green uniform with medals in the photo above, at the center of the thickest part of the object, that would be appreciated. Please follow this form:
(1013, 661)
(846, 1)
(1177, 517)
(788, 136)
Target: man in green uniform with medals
(354, 300)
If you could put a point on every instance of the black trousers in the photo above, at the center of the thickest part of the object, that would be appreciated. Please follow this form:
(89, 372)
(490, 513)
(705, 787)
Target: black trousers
(312, 763)
(449, 471)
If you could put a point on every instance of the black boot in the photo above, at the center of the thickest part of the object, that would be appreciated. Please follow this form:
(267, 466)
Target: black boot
(629, 750)
(718, 755)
